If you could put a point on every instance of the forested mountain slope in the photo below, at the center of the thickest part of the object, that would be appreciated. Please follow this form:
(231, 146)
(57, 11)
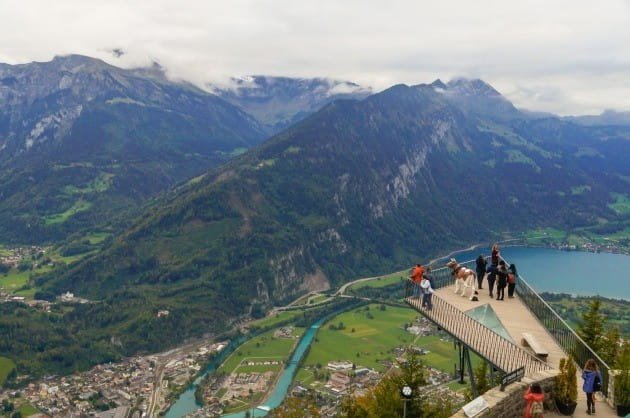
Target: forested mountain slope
(361, 187)
(80, 140)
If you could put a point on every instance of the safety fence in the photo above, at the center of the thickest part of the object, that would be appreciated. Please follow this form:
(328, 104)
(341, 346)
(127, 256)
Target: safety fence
(564, 335)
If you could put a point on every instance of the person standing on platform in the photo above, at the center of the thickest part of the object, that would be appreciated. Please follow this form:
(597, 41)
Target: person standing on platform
(495, 255)
(503, 278)
(427, 293)
(416, 278)
(511, 280)
(481, 269)
(492, 277)
(429, 276)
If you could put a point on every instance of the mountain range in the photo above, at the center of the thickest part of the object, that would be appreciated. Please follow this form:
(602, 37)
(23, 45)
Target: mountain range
(279, 102)
(81, 140)
(359, 187)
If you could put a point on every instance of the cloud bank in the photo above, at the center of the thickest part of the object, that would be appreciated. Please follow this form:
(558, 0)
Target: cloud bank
(567, 57)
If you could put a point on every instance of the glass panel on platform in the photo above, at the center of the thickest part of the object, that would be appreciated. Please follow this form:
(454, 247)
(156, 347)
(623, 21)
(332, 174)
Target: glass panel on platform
(486, 315)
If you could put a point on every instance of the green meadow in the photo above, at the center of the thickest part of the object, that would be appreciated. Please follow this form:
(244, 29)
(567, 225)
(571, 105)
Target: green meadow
(621, 204)
(382, 281)
(26, 409)
(367, 337)
(79, 206)
(22, 406)
(6, 365)
(277, 318)
(264, 347)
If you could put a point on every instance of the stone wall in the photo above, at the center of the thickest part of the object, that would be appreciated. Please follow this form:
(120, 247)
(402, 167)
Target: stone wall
(510, 403)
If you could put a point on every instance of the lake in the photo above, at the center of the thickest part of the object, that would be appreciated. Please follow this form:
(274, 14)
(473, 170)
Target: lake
(573, 272)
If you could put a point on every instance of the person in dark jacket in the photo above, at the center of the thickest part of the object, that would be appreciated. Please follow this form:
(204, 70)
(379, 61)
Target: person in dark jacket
(503, 278)
(492, 277)
(481, 269)
(495, 255)
(429, 276)
(512, 274)
(590, 374)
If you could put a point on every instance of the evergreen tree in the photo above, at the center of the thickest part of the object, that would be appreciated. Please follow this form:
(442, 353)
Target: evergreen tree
(385, 399)
(481, 378)
(591, 328)
(610, 347)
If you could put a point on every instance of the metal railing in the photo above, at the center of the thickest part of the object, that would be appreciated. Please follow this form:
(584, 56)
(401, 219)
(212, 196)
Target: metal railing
(564, 335)
(496, 349)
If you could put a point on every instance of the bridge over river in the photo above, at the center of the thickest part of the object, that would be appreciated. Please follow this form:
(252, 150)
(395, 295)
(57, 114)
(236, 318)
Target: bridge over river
(493, 329)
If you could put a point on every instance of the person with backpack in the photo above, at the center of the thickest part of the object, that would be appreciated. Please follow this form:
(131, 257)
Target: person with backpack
(416, 277)
(592, 383)
(481, 269)
(511, 280)
(535, 398)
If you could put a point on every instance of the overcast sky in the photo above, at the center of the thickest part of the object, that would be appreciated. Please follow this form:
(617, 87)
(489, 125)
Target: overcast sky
(567, 57)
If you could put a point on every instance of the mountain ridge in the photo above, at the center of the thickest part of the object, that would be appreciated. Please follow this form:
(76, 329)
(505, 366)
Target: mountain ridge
(75, 122)
(279, 102)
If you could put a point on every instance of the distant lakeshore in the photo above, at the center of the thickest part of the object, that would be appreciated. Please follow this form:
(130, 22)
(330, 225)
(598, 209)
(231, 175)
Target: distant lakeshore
(575, 272)
(612, 249)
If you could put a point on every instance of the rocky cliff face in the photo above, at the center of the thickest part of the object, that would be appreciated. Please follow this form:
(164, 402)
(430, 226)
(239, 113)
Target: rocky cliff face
(40, 101)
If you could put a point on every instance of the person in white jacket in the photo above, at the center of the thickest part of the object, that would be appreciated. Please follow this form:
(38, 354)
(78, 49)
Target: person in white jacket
(427, 293)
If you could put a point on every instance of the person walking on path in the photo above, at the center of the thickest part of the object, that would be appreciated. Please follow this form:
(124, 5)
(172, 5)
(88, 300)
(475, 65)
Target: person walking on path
(427, 293)
(592, 383)
(495, 255)
(481, 269)
(511, 280)
(416, 278)
(503, 278)
(535, 398)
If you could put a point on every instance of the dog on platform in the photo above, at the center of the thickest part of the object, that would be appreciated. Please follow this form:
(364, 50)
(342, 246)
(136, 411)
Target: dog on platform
(465, 278)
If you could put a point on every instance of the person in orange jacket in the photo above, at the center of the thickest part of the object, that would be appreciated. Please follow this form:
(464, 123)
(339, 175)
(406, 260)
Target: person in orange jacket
(416, 277)
(534, 395)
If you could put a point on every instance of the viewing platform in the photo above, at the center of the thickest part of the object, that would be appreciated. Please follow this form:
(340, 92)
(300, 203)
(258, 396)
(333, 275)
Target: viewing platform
(494, 330)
